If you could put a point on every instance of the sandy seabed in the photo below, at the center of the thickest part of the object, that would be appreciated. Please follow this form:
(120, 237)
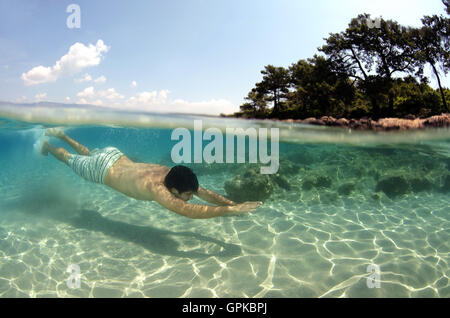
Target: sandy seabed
(296, 245)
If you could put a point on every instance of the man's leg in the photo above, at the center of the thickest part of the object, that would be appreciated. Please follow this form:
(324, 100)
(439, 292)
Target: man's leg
(59, 153)
(58, 133)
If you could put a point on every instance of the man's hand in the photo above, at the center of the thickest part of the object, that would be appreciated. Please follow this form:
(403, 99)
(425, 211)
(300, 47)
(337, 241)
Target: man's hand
(55, 132)
(245, 207)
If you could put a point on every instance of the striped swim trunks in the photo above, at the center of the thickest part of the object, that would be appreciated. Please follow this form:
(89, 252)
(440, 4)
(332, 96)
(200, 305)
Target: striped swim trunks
(95, 166)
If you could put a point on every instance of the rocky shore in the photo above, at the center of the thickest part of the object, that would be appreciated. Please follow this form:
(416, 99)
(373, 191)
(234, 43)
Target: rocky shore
(383, 124)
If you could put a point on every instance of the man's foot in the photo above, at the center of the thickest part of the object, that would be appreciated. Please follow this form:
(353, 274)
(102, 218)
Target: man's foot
(54, 132)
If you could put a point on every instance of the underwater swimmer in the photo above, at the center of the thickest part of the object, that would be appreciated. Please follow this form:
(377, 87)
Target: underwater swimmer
(170, 187)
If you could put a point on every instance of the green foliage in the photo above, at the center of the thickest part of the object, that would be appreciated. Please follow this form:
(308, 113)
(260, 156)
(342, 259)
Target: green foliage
(256, 105)
(359, 76)
(274, 87)
(318, 90)
(430, 44)
(414, 98)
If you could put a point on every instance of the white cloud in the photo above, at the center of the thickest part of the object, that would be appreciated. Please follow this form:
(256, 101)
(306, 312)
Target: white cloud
(86, 78)
(67, 99)
(21, 99)
(38, 75)
(41, 96)
(211, 107)
(90, 96)
(154, 101)
(146, 99)
(87, 92)
(101, 79)
(79, 57)
(158, 102)
(110, 94)
(133, 83)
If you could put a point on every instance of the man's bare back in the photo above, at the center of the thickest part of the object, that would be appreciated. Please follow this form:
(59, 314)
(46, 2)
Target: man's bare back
(134, 179)
(143, 181)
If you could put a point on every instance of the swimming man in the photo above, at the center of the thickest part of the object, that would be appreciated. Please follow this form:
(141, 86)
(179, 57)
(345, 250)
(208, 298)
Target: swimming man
(171, 188)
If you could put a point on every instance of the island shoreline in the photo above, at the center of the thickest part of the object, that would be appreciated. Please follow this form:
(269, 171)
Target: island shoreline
(382, 124)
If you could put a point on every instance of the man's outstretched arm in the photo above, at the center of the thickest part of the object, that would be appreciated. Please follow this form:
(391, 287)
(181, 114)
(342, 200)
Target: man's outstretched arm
(212, 197)
(198, 211)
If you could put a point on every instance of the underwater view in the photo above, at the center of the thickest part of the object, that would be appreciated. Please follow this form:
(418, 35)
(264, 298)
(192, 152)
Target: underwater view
(342, 207)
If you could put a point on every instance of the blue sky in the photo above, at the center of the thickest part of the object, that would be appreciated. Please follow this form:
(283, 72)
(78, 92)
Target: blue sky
(189, 56)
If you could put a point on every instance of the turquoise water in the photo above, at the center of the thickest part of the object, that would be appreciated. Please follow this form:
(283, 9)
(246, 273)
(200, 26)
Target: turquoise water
(342, 201)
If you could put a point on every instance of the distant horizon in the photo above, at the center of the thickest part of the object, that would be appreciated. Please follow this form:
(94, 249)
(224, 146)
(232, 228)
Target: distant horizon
(104, 107)
(197, 58)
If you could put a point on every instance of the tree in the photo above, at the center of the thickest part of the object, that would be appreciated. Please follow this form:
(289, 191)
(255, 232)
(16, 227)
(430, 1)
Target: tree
(447, 6)
(363, 71)
(430, 48)
(343, 53)
(318, 91)
(412, 97)
(274, 86)
(256, 105)
(362, 52)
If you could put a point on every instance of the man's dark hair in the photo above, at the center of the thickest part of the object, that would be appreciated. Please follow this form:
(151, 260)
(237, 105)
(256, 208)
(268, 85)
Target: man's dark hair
(181, 178)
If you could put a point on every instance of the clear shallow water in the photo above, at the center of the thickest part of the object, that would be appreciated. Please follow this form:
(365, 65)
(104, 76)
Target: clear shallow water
(346, 207)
